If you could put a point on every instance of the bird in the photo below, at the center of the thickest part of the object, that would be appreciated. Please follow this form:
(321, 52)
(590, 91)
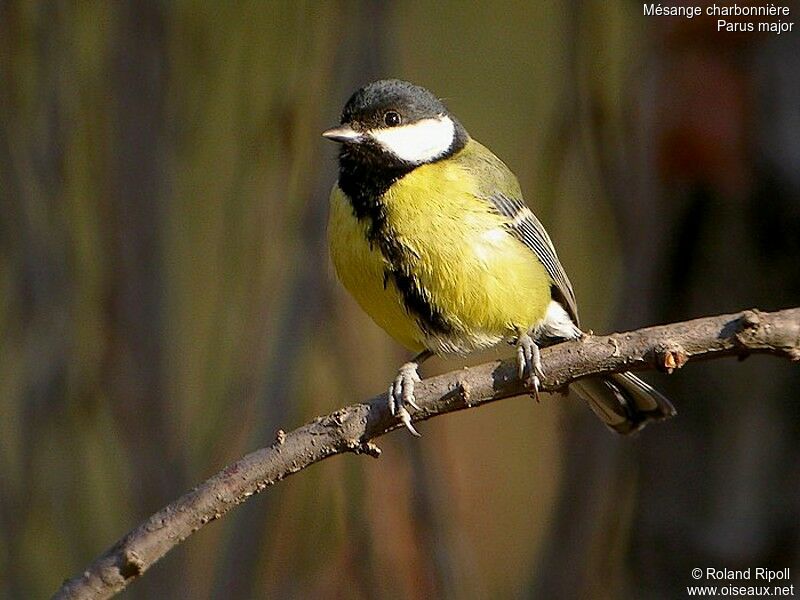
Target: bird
(429, 232)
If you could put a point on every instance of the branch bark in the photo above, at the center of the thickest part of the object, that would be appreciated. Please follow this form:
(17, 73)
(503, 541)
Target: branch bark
(351, 429)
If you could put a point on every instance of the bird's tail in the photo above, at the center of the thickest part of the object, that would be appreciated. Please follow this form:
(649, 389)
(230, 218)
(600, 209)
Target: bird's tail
(624, 402)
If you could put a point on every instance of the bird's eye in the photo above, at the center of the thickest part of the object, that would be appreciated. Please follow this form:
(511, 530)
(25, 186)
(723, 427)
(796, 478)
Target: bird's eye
(391, 118)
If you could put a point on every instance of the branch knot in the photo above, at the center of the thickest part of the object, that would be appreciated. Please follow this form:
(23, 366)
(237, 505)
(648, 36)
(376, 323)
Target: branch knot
(670, 356)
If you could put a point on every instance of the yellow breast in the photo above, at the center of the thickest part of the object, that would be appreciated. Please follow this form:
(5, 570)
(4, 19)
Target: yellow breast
(361, 268)
(485, 282)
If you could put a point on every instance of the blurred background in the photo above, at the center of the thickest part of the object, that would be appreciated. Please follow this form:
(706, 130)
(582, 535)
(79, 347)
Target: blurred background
(167, 304)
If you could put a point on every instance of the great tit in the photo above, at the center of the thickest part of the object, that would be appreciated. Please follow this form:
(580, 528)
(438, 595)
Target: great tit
(429, 232)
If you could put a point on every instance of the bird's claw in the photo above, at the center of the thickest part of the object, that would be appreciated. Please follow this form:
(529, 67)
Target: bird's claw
(529, 363)
(401, 394)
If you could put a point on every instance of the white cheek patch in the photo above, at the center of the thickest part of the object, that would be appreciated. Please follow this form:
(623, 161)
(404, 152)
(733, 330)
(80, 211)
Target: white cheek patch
(418, 142)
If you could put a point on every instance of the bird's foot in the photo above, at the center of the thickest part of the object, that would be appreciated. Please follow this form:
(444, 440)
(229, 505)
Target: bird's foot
(401, 394)
(529, 363)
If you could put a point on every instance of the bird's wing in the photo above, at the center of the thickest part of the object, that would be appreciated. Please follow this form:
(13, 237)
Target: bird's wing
(498, 185)
(524, 225)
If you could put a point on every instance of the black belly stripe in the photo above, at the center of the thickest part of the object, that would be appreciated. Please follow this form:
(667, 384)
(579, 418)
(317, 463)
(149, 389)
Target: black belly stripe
(417, 301)
(364, 184)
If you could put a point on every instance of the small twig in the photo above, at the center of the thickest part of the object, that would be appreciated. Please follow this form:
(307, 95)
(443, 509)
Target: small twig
(352, 428)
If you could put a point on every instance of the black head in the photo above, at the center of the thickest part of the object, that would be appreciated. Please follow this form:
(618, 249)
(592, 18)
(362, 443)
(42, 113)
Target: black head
(391, 102)
(398, 125)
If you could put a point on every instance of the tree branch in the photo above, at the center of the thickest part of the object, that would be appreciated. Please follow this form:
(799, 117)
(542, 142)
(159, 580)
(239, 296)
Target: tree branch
(351, 429)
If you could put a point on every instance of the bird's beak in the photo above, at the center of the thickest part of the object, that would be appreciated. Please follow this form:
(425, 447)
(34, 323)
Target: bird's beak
(342, 134)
